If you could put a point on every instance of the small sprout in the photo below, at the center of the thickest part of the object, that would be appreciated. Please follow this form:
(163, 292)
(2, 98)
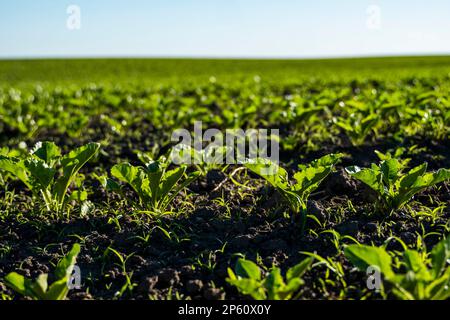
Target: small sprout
(155, 185)
(39, 289)
(307, 179)
(394, 187)
(249, 280)
(425, 277)
(47, 173)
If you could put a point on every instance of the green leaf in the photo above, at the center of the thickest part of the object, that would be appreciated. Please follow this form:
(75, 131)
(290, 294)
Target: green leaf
(288, 290)
(155, 171)
(431, 179)
(414, 262)
(247, 269)
(364, 256)
(17, 168)
(39, 286)
(390, 169)
(269, 170)
(299, 270)
(58, 290)
(191, 177)
(170, 179)
(273, 283)
(72, 163)
(439, 256)
(42, 175)
(46, 151)
(18, 283)
(65, 266)
(248, 287)
(367, 176)
(135, 177)
(439, 289)
(420, 183)
(411, 177)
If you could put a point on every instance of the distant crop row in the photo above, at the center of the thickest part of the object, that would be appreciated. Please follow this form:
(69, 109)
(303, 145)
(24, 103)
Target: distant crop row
(307, 115)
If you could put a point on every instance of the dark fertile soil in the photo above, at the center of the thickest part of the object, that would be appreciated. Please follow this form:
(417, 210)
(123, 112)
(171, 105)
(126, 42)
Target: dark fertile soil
(187, 254)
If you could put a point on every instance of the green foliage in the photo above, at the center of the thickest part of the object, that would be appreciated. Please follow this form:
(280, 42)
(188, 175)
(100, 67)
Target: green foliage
(421, 276)
(307, 180)
(249, 280)
(357, 127)
(39, 289)
(155, 184)
(394, 187)
(317, 105)
(47, 173)
(204, 160)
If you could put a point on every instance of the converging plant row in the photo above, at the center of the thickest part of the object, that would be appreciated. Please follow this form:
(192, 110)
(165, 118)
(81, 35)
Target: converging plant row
(49, 175)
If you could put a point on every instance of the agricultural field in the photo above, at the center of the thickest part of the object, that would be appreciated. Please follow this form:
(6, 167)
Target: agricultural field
(357, 208)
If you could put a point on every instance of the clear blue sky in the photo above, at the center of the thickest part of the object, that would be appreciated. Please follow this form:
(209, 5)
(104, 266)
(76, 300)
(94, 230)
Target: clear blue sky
(226, 28)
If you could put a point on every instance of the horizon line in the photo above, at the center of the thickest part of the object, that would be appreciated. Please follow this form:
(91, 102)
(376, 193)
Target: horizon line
(209, 57)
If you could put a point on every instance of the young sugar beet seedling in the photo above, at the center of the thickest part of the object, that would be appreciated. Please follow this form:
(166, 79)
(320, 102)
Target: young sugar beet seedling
(357, 127)
(425, 276)
(47, 173)
(155, 185)
(205, 160)
(39, 289)
(307, 180)
(249, 280)
(395, 188)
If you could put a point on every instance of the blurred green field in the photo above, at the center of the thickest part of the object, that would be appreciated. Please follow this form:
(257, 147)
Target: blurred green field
(161, 71)
(356, 138)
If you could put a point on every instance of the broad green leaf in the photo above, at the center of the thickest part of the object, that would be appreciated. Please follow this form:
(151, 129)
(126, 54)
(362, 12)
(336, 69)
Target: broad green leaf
(18, 283)
(41, 174)
(190, 178)
(309, 179)
(247, 269)
(433, 178)
(439, 289)
(155, 171)
(439, 256)
(327, 160)
(46, 151)
(72, 163)
(286, 292)
(58, 290)
(411, 177)
(270, 171)
(65, 266)
(170, 179)
(125, 172)
(273, 283)
(367, 176)
(134, 176)
(249, 287)
(299, 270)
(17, 168)
(390, 169)
(364, 256)
(39, 286)
(415, 263)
